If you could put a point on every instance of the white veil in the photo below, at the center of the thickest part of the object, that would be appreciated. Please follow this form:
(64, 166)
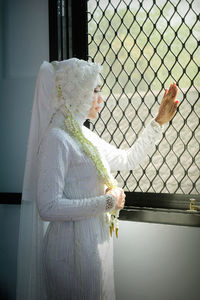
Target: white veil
(32, 227)
(30, 284)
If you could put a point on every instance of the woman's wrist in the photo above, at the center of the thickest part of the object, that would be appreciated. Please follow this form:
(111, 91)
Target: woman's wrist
(159, 121)
(157, 126)
(110, 202)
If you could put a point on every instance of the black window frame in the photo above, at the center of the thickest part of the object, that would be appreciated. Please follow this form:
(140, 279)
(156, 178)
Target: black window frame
(146, 207)
(161, 208)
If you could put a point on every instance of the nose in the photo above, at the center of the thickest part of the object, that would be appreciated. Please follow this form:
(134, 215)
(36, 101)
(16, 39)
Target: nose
(100, 99)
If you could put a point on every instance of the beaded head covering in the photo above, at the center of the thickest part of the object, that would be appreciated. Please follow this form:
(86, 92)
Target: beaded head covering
(75, 81)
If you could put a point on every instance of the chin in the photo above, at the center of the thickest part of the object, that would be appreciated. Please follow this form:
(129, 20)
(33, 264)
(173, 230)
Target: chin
(93, 116)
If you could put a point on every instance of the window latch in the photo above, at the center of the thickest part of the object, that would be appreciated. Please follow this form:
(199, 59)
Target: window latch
(193, 207)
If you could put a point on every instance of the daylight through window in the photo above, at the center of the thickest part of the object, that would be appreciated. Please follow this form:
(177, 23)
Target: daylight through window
(144, 46)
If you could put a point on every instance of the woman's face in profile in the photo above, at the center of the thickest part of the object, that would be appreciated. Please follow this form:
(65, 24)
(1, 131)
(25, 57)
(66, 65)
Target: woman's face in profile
(97, 100)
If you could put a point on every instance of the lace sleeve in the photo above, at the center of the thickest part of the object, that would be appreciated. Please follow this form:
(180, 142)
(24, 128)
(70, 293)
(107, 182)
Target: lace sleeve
(129, 159)
(53, 162)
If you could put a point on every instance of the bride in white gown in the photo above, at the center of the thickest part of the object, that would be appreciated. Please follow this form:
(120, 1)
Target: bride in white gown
(70, 198)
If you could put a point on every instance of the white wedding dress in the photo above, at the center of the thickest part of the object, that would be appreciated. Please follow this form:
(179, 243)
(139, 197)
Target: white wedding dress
(77, 247)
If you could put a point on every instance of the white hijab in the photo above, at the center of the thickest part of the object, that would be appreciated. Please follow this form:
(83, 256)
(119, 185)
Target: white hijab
(78, 79)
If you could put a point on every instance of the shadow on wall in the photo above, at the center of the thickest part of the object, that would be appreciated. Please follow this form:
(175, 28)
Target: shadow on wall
(4, 295)
(9, 230)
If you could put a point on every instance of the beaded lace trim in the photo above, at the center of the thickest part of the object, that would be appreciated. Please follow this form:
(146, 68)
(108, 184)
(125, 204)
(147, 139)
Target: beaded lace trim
(109, 202)
(73, 127)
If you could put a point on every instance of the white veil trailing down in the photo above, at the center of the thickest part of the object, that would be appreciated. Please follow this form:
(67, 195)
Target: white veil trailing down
(30, 281)
(32, 227)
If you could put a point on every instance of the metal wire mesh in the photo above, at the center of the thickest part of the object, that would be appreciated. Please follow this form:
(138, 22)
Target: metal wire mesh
(145, 45)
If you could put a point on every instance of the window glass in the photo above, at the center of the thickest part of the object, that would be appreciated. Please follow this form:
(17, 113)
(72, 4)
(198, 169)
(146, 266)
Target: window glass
(144, 46)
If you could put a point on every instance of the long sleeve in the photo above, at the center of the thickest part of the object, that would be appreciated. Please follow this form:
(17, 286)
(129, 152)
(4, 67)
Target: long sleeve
(120, 160)
(53, 167)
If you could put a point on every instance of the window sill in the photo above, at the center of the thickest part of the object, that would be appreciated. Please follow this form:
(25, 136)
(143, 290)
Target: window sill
(146, 207)
(161, 216)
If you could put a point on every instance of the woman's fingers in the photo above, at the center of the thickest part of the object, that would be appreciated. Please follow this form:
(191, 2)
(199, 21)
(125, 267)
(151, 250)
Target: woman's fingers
(176, 105)
(168, 105)
(119, 195)
(174, 108)
(166, 91)
(171, 92)
(171, 95)
(174, 90)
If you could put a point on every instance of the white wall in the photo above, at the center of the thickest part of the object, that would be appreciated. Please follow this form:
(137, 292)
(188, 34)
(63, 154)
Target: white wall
(157, 262)
(151, 261)
(24, 44)
(9, 229)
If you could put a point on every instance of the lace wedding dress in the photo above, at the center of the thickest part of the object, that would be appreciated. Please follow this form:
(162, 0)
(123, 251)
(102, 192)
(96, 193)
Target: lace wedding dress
(65, 248)
(78, 251)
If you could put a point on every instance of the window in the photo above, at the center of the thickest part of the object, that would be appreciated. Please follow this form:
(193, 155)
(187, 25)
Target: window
(144, 46)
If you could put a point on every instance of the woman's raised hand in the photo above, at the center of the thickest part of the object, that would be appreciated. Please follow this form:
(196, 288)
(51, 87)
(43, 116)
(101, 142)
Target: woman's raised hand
(119, 195)
(168, 105)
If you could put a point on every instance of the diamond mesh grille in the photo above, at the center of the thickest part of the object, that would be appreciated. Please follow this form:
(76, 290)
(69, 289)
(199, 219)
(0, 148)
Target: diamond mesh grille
(144, 46)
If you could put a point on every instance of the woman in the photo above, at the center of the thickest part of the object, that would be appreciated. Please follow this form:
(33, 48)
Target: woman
(70, 200)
